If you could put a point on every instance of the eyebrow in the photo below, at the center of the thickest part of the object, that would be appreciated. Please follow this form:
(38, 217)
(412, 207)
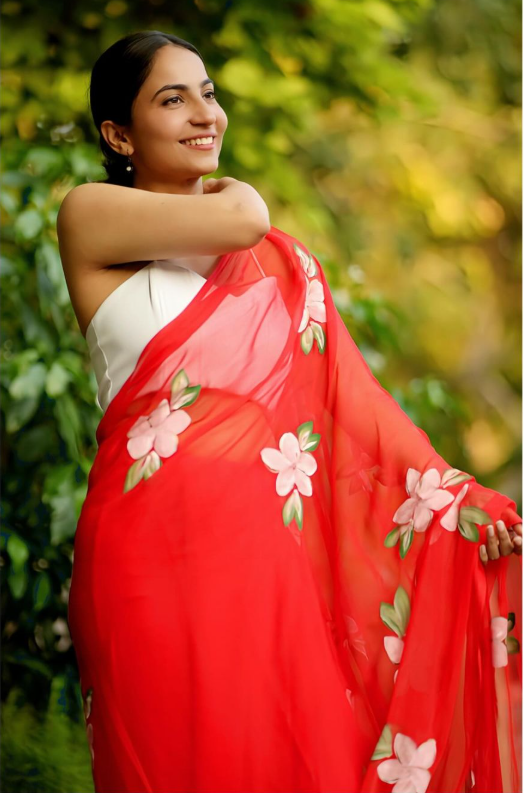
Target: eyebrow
(180, 86)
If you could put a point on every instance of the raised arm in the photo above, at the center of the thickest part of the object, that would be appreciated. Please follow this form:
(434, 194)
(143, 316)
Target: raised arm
(105, 224)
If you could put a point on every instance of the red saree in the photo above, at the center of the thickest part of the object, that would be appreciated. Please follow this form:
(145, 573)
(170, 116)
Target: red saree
(276, 581)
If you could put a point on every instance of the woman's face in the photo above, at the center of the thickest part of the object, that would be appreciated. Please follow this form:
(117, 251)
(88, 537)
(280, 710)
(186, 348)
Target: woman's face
(163, 115)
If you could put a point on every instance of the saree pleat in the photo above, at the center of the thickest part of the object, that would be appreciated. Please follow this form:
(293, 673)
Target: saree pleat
(276, 582)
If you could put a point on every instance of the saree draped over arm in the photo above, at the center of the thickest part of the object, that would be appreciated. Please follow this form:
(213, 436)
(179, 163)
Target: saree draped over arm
(276, 580)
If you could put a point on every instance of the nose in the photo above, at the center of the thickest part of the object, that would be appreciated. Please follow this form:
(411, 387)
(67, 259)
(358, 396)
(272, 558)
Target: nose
(203, 113)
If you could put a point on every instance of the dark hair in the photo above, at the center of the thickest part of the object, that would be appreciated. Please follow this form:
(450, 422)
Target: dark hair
(116, 79)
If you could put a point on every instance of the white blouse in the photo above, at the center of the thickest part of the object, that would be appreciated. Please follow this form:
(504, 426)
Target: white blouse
(129, 318)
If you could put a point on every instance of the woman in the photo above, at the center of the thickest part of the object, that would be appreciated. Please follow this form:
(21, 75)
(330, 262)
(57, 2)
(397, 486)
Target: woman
(276, 581)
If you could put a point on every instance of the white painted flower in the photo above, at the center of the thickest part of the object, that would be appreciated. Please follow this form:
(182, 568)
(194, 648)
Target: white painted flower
(294, 466)
(425, 495)
(394, 647)
(159, 431)
(450, 520)
(499, 632)
(315, 306)
(409, 771)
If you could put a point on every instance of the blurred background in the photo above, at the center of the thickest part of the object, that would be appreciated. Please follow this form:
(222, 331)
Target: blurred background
(385, 135)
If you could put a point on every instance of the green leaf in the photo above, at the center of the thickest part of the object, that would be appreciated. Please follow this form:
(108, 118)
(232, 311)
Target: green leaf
(29, 224)
(512, 645)
(391, 538)
(474, 515)
(318, 333)
(389, 617)
(468, 530)
(405, 542)
(306, 340)
(402, 607)
(511, 621)
(29, 384)
(17, 550)
(57, 380)
(134, 474)
(41, 591)
(384, 747)
(20, 412)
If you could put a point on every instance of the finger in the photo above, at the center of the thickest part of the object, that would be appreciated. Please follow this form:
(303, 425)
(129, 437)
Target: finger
(517, 546)
(483, 555)
(492, 544)
(505, 544)
(517, 527)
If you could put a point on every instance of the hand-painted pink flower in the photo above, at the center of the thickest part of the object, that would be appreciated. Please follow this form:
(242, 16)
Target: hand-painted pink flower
(499, 632)
(425, 496)
(315, 306)
(408, 773)
(158, 431)
(394, 647)
(450, 520)
(294, 467)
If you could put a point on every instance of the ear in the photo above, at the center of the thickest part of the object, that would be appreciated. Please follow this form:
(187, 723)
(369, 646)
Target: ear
(115, 136)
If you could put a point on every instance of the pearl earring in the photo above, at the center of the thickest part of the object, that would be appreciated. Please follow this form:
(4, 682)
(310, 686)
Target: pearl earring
(129, 166)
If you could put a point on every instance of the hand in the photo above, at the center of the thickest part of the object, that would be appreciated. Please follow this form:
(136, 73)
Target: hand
(502, 545)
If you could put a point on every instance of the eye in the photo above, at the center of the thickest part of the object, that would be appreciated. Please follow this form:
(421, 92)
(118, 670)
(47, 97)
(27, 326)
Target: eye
(168, 101)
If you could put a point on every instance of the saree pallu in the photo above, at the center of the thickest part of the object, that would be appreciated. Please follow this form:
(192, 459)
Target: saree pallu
(276, 580)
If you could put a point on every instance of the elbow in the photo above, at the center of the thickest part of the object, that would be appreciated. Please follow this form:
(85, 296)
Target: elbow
(257, 227)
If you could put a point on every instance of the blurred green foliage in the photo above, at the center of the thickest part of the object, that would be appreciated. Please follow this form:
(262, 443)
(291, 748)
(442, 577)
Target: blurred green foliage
(384, 135)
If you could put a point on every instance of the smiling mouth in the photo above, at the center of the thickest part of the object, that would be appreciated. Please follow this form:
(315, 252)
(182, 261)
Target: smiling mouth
(195, 145)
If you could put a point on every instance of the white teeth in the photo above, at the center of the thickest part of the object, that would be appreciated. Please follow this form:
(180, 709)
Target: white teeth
(197, 141)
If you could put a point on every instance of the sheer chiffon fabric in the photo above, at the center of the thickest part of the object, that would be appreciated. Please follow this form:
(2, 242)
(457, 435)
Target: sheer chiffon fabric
(276, 581)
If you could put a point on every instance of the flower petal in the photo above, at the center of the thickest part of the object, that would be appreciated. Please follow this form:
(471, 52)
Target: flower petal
(394, 647)
(439, 499)
(307, 463)
(406, 510)
(274, 460)
(422, 517)
(303, 482)
(499, 628)
(176, 422)
(165, 444)
(317, 311)
(141, 444)
(140, 426)
(499, 654)
(160, 413)
(429, 482)
(315, 291)
(303, 321)
(289, 447)
(412, 480)
(285, 481)
(391, 771)
(425, 755)
(419, 779)
(404, 747)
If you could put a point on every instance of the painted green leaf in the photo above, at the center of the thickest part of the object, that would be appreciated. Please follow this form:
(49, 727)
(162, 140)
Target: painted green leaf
(468, 530)
(134, 474)
(306, 340)
(189, 396)
(513, 645)
(475, 515)
(511, 621)
(402, 607)
(389, 617)
(391, 538)
(405, 542)
(384, 747)
(318, 333)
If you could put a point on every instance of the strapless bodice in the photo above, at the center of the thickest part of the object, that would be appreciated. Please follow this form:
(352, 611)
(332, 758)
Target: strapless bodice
(131, 315)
